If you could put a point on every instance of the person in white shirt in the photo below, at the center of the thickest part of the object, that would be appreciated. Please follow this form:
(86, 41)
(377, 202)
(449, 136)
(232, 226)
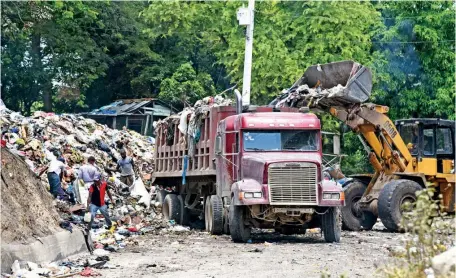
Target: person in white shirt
(88, 172)
(55, 176)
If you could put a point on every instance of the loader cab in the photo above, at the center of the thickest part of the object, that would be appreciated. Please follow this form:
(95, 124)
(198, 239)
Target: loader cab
(431, 141)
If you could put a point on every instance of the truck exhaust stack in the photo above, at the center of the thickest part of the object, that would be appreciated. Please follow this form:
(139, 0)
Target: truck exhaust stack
(238, 101)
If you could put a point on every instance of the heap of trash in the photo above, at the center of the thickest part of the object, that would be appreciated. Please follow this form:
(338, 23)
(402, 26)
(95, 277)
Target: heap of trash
(37, 138)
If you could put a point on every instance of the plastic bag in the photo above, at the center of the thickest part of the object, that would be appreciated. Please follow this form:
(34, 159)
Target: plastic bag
(87, 217)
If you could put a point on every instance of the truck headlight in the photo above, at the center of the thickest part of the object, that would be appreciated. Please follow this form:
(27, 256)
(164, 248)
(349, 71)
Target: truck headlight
(249, 195)
(331, 196)
(257, 194)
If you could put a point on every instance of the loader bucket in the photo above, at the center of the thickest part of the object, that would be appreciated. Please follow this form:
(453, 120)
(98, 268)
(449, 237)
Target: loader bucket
(356, 79)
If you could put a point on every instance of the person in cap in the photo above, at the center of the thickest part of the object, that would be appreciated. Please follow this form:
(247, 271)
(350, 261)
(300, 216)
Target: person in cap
(96, 200)
(126, 165)
(55, 176)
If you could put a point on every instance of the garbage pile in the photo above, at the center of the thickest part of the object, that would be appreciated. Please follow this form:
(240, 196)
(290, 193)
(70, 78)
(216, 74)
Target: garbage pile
(189, 122)
(38, 138)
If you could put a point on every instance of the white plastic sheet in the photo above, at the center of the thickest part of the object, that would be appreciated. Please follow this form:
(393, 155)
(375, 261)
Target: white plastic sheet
(140, 190)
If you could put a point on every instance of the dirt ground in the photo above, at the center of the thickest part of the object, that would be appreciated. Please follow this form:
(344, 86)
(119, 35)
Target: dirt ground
(198, 254)
(27, 209)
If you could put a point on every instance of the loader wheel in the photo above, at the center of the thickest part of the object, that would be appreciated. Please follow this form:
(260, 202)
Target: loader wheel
(172, 208)
(213, 214)
(330, 224)
(354, 219)
(393, 196)
(184, 212)
(239, 231)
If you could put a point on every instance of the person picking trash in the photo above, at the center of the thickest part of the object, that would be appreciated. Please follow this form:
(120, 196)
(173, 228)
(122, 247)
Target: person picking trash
(96, 200)
(55, 176)
(126, 166)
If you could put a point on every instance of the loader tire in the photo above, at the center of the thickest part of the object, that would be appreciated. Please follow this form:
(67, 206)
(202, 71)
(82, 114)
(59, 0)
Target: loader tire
(239, 231)
(172, 208)
(184, 220)
(213, 214)
(354, 219)
(393, 196)
(330, 225)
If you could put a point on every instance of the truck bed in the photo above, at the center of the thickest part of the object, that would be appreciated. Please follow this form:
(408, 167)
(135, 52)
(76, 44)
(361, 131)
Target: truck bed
(169, 158)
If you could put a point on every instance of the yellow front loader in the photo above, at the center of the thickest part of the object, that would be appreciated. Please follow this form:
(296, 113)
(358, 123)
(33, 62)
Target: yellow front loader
(407, 155)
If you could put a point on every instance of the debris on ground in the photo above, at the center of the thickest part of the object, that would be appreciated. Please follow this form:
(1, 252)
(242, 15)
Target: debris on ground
(444, 264)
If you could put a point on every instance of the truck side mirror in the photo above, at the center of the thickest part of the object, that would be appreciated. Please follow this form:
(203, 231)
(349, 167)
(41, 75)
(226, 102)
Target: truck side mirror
(218, 145)
(336, 144)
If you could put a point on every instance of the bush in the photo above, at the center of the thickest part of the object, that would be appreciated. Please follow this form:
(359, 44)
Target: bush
(428, 233)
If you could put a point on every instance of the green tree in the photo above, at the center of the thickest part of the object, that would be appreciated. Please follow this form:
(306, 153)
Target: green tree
(416, 74)
(186, 86)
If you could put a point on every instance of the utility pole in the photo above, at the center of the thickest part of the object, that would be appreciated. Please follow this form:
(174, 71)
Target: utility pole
(245, 17)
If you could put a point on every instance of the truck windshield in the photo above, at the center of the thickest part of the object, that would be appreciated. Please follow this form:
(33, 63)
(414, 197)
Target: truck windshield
(280, 140)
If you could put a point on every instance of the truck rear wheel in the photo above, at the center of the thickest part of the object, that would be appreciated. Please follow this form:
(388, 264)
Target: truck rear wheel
(184, 211)
(393, 196)
(330, 224)
(226, 213)
(172, 208)
(239, 231)
(354, 219)
(160, 196)
(213, 214)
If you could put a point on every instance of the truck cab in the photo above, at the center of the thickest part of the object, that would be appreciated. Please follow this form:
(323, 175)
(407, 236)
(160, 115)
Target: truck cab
(269, 171)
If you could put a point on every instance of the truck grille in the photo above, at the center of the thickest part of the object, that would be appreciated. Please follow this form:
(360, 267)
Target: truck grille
(292, 183)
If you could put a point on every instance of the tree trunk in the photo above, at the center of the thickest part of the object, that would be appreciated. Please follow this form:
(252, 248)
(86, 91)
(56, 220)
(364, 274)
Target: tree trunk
(40, 77)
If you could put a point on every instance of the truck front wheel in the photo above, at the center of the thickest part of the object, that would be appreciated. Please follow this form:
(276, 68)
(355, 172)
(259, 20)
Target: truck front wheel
(172, 208)
(330, 225)
(213, 214)
(239, 231)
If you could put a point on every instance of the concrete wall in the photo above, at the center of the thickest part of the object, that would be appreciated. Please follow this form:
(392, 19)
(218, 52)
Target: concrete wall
(48, 249)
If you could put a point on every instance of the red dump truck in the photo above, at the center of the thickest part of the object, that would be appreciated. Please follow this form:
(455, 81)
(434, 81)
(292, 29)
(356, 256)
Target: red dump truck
(261, 168)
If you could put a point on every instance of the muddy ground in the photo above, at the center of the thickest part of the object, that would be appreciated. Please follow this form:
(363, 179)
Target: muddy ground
(198, 254)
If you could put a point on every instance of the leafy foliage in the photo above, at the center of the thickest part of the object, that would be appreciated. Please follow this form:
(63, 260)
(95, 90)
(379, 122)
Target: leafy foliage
(429, 234)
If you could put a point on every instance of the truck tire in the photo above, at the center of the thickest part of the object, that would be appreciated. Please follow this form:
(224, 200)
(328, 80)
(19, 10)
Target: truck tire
(213, 214)
(393, 195)
(330, 225)
(226, 214)
(184, 211)
(353, 219)
(238, 230)
(172, 208)
(160, 196)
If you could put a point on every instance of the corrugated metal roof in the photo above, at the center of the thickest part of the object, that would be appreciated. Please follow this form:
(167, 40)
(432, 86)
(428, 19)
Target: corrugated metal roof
(123, 107)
